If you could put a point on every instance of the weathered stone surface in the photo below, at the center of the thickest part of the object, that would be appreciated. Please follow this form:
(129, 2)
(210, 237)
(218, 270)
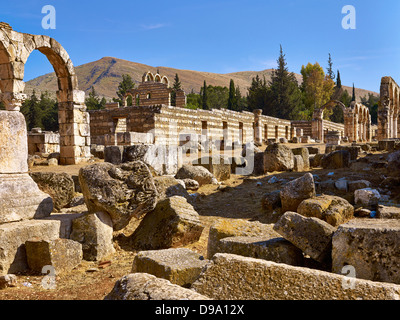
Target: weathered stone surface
(59, 186)
(218, 165)
(271, 201)
(371, 246)
(143, 286)
(367, 198)
(249, 149)
(233, 277)
(113, 154)
(65, 222)
(393, 163)
(385, 212)
(164, 160)
(258, 163)
(358, 184)
(336, 160)
(316, 161)
(298, 164)
(334, 210)
(124, 192)
(198, 173)
(7, 281)
(21, 199)
(263, 247)
(95, 232)
(168, 186)
(12, 242)
(191, 184)
(14, 144)
(180, 266)
(225, 228)
(305, 154)
(312, 235)
(278, 157)
(294, 192)
(62, 254)
(171, 224)
(342, 185)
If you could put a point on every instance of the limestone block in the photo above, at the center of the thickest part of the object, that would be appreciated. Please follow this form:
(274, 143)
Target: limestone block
(219, 166)
(385, 212)
(113, 154)
(173, 223)
(65, 222)
(233, 277)
(12, 242)
(263, 247)
(180, 266)
(13, 141)
(198, 173)
(359, 184)
(294, 192)
(278, 157)
(168, 186)
(95, 232)
(21, 199)
(9, 280)
(62, 254)
(368, 198)
(312, 235)
(225, 228)
(298, 164)
(371, 246)
(305, 154)
(334, 210)
(143, 286)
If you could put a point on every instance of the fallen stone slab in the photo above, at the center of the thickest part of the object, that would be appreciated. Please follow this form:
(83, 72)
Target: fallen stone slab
(385, 212)
(367, 198)
(294, 192)
(305, 155)
(371, 247)
(263, 247)
(198, 173)
(225, 228)
(278, 157)
(65, 222)
(180, 266)
(62, 254)
(358, 184)
(311, 235)
(233, 277)
(12, 242)
(172, 223)
(113, 154)
(168, 186)
(7, 281)
(143, 286)
(218, 165)
(95, 232)
(125, 191)
(60, 187)
(332, 209)
(336, 160)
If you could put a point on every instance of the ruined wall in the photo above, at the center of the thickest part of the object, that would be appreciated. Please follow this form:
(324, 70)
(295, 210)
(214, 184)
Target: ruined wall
(43, 142)
(388, 110)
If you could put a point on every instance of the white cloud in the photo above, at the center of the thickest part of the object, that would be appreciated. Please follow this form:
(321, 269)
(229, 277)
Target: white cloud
(154, 26)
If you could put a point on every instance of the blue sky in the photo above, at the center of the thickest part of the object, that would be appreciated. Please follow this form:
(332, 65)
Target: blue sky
(221, 36)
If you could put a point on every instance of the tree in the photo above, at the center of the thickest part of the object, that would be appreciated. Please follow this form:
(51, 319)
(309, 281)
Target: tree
(204, 104)
(176, 86)
(338, 80)
(330, 72)
(124, 86)
(372, 102)
(353, 97)
(93, 102)
(284, 98)
(232, 99)
(257, 94)
(317, 87)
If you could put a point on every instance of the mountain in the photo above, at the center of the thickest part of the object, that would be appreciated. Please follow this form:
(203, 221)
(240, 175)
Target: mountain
(106, 74)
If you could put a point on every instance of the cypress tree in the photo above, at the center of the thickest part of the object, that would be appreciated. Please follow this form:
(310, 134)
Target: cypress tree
(176, 86)
(204, 97)
(338, 80)
(353, 97)
(330, 72)
(232, 99)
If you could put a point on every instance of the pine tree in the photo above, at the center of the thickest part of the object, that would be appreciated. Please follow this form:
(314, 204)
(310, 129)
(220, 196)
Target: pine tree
(176, 86)
(124, 86)
(338, 80)
(232, 99)
(330, 72)
(284, 96)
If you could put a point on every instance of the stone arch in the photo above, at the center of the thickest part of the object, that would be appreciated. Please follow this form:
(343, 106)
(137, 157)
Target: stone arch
(157, 78)
(165, 80)
(318, 116)
(125, 100)
(148, 76)
(74, 127)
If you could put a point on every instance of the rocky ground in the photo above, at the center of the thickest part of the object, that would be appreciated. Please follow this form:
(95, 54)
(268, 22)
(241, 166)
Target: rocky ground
(237, 198)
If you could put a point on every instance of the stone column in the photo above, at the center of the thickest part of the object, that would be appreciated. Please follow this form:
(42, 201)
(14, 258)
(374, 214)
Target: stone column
(20, 197)
(258, 126)
(74, 128)
(395, 128)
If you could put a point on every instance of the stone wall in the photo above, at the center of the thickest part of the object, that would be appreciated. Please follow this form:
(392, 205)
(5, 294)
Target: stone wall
(388, 110)
(43, 142)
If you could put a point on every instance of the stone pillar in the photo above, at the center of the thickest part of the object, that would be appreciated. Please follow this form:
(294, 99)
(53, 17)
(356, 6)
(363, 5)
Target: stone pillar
(258, 126)
(395, 128)
(74, 129)
(20, 197)
(355, 124)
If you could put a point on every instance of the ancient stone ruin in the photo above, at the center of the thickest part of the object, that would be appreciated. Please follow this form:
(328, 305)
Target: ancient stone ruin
(203, 204)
